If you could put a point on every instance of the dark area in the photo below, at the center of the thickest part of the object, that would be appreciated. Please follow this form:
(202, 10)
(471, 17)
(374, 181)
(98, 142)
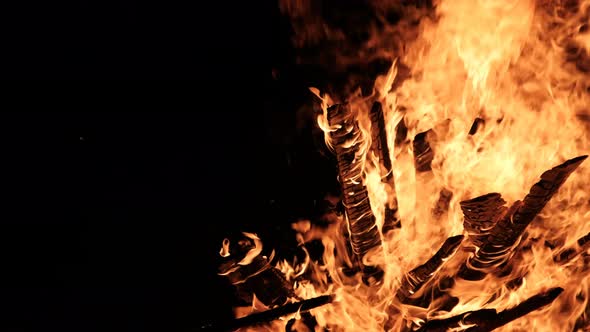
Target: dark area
(118, 193)
(132, 39)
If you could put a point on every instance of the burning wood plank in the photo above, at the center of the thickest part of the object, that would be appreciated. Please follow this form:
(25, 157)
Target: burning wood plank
(250, 272)
(567, 255)
(423, 157)
(477, 123)
(583, 322)
(423, 154)
(380, 148)
(269, 315)
(346, 140)
(485, 320)
(416, 278)
(497, 247)
(481, 214)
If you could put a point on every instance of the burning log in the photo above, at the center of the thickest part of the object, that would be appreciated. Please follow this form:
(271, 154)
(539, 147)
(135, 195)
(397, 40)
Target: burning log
(416, 278)
(497, 247)
(477, 123)
(401, 134)
(421, 275)
(583, 322)
(423, 157)
(481, 213)
(380, 148)
(250, 272)
(485, 320)
(269, 315)
(423, 154)
(567, 255)
(364, 234)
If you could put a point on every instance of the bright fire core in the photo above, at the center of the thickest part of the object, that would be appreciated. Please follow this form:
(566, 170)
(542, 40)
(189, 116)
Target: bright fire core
(521, 67)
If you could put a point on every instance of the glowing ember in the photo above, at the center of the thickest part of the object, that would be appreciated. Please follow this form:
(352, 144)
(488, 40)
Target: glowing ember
(487, 183)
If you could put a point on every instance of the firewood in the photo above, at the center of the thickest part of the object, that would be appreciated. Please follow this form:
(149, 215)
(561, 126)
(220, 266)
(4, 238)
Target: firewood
(480, 215)
(423, 154)
(496, 249)
(583, 322)
(529, 305)
(380, 148)
(477, 123)
(428, 292)
(543, 190)
(269, 315)
(568, 254)
(485, 320)
(401, 134)
(255, 276)
(364, 234)
(416, 278)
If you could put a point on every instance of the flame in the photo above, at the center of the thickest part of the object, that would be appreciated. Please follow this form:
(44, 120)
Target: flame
(252, 252)
(224, 251)
(521, 68)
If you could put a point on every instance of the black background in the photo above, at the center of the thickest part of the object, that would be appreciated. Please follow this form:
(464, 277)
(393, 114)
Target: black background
(118, 192)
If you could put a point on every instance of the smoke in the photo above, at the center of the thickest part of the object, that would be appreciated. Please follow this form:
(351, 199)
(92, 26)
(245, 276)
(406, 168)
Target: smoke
(344, 45)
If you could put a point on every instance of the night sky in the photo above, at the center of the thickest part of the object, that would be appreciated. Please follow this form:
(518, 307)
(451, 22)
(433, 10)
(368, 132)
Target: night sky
(119, 189)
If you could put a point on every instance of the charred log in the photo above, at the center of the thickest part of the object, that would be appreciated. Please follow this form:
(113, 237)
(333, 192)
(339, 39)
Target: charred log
(583, 322)
(497, 247)
(568, 254)
(401, 133)
(531, 304)
(380, 148)
(477, 123)
(485, 320)
(306, 322)
(480, 215)
(470, 317)
(346, 140)
(254, 275)
(435, 291)
(268, 316)
(416, 278)
(423, 154)
(543, 190)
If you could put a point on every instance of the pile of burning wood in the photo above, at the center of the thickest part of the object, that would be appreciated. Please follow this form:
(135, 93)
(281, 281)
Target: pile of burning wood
(474, 104)
(495, 234)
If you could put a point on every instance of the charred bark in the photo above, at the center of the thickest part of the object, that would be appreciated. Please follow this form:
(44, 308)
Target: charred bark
(428, 292)
(543, 190)
(401, 134)
(364, 234)
(256, 275)
(583, 322)
(423, 154)
(269, 315)
(497, 247)
(480, 215)
(569, 254)
(435, 291)
(477, 123)
(416, 278)
(380, 148)
(486, 320)
(265, 281)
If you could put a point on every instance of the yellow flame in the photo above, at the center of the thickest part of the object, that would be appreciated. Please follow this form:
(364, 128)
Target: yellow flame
(511, 64)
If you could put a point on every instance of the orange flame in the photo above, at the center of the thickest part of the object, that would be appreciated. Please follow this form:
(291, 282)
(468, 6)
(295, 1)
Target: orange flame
(508, 63)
